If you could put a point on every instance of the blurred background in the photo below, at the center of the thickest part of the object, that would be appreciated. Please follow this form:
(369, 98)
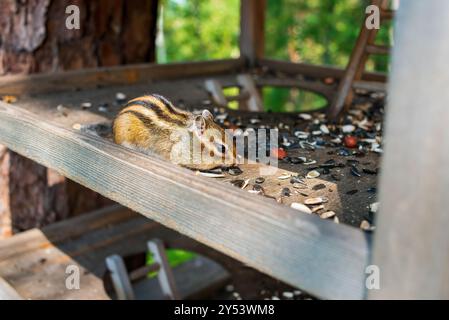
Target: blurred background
(310, 31)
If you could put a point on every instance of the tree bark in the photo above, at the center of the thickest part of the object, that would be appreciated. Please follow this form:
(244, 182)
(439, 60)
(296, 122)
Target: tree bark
(34, 38)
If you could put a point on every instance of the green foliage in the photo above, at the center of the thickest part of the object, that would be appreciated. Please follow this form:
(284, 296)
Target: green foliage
(175, 258)
(200, 29)
(310, 31)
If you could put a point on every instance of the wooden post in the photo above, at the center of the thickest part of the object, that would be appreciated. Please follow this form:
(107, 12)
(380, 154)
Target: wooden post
(252, 24)
(411, 246)
(34, 39)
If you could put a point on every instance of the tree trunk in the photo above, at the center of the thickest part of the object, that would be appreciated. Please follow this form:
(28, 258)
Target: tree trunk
(34, 38)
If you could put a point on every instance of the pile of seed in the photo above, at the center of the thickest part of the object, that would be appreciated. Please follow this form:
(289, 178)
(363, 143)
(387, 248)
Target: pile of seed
(359, 133)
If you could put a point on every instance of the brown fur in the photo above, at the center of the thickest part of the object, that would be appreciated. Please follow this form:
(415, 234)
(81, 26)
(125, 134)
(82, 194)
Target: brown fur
(151, 124)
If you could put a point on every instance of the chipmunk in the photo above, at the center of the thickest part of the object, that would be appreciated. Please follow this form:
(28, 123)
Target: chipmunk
(151, 124)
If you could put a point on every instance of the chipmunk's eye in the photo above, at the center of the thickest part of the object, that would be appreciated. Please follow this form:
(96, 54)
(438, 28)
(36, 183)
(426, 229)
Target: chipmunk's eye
(220, 147)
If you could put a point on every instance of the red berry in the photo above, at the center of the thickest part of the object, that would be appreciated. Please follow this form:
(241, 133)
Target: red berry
(350, 141)
(279, 153)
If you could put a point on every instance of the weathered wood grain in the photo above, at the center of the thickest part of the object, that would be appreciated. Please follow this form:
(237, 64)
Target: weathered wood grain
(252, 30)
(314, 71)
(120, 75)
(7, 292)
(323, 258)
(412, 241)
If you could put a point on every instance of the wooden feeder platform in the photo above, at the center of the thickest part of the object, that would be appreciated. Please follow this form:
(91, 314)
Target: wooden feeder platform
(208, 210)
(326, 259)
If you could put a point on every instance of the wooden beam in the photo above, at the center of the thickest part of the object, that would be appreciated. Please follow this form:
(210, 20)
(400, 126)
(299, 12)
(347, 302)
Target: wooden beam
(378, 49)
(354, 71)
(252, 30)
(412, 239)
(315, 71)
(7, 292)
(323, 258)
(121, 75)
(247, 84)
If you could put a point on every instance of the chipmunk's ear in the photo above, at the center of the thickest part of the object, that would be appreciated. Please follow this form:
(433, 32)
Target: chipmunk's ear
(207, 115)
(199, 122)
(198, 125)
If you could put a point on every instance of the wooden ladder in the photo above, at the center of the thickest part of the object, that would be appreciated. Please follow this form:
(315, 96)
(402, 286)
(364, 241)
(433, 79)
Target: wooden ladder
(364, 47)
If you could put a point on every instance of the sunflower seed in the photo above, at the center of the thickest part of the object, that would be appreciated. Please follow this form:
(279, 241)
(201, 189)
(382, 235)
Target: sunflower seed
(365, 225)
(285, 176)
(285, 192)
(299, 186)
(314, 201)
(260, 180)
(120, 97)
(210, 174)
(306, 145)
(313, 174)
(300, 207)
(324, 129)
(305, 116)
(355, 172)
(372, 190)
(327, 215)
(336, 140)
(319, 187)
(257, 188)
(235, 171)
(348, 128)
(297, 160)
(288, 295)
(297, 180)
(301, 135)
(86, 105)
(343, 152)
(374, 207)
(317, 208)
(240, 183)
(309, 162)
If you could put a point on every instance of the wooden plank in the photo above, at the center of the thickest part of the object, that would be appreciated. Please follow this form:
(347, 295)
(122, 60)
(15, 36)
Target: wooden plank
(377, 49)
(33, 240)
(120, 75)
(165, 274)
(254, 103)
(119, 276)
(412, 240)
(315, 71)
(387, 14)
(323, 258)
(7, 292)
(34, 262)
(215, 89)
(252, 30)
(354, 70)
